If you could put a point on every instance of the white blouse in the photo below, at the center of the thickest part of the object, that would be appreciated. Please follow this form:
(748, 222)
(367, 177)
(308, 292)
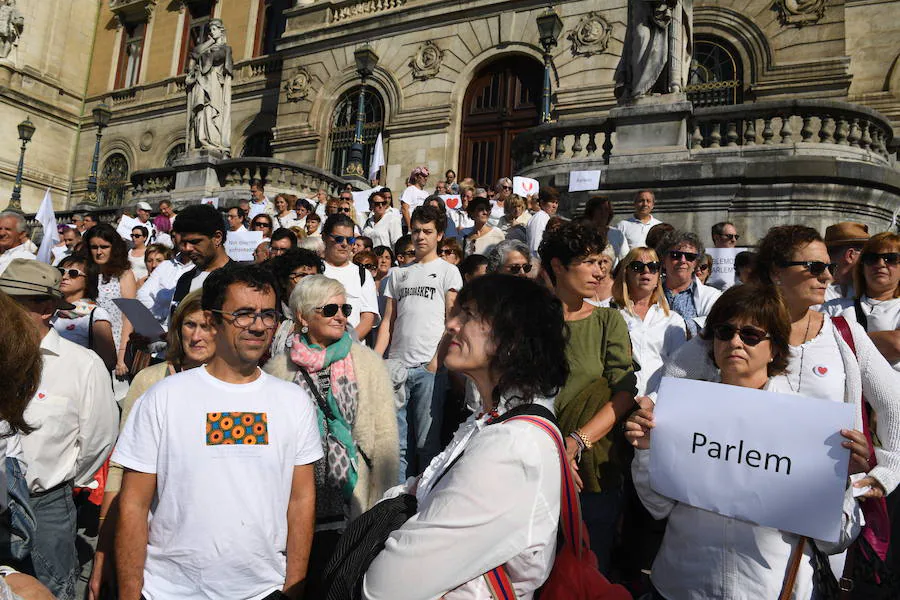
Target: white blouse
(499, 504)
(881, 315)
(653, 341)
(385, 232)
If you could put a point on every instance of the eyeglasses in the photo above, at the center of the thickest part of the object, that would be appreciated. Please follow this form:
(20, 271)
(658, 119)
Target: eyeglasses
(505, 187)
(443, 252)
(638, 266)
(340, 239)
(298, 276)
(678, 255)
(815, 267)
(731, 237)
(891, 259)
(329, 310)
(516, 269)
(261, 224)
(72, 273)
(379, 204)
(245, 319)
(344, 209)
(748, 334)
(369, 266)
(137, 235)
(703, 267)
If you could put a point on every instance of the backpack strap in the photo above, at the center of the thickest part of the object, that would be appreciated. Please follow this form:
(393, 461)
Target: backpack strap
(362, 275)
(91, 329)
(861, 317)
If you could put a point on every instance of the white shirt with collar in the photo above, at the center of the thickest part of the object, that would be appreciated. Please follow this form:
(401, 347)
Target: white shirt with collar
(636, 230)
(75, 416)
(385, 232)
(653, 341)
(881, 315)
(20, 251)
(498, 504)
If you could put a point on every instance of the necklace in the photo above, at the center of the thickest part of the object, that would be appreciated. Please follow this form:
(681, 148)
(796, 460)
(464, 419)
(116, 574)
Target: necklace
(802, 355)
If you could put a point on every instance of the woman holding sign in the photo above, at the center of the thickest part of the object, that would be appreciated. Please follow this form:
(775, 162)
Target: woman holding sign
(706, 555)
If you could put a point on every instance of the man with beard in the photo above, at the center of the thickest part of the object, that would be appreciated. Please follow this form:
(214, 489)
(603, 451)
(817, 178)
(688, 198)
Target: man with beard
(202, 235)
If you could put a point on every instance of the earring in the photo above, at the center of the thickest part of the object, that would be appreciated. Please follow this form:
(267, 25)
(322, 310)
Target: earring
(304, 329)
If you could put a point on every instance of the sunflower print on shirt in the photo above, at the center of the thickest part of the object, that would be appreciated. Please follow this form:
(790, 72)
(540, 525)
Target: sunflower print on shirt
(246, 428)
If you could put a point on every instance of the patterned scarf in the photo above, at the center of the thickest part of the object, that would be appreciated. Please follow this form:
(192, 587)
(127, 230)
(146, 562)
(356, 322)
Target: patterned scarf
(337, 438)
(83, 308)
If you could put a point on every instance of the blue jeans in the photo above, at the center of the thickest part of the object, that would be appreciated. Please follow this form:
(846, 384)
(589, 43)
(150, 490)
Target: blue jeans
(600, 512)
(420, 418)
(53, 555)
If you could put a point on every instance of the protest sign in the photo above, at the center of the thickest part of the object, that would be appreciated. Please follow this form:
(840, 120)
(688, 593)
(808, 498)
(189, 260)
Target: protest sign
(525, 186)
(214, 202)
(361, 200)
(239, 245)
(140, 317)
(126, 224)
(739, 452)
(256, 209)
(452, 200)
(722, 275)
(584, 181)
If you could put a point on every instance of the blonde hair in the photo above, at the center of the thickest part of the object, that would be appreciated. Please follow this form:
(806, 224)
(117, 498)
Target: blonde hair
(620, 288)
(313, 291)
(175, 344)
(513, 202)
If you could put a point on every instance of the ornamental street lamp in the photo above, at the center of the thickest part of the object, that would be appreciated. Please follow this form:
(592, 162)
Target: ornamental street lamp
(366, 59)
(102, 115)
(549, 27)
(26, 131)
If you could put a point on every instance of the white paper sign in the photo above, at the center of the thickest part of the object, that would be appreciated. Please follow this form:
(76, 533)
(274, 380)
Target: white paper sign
(126, 224)
(722, 275)
(742, 453)
(361, 200)
(239, 245)
(452, 201)
(525, 186)
(256, 209)
(584, 181)
(141, 318)
(214, 202)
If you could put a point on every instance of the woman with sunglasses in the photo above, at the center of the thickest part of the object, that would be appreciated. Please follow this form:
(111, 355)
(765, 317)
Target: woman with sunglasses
(708, 556)
(354, 397)
(703, 269)
(136, 254)
(510, 257)
(450, 251)
(481, 237)
(656, 331)
(263, 223)
(876, 279)
(87, 324)
(383, 226)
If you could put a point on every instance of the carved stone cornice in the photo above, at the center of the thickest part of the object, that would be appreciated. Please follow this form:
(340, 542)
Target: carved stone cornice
(800, 12)
(129, 12)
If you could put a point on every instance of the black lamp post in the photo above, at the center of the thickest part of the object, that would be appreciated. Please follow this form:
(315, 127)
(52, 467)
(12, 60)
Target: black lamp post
(26, 131)
(102, 115)
(549, 27)
(366, 59)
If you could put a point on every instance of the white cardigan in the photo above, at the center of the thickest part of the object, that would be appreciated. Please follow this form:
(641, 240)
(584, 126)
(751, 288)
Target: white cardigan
(692, 361)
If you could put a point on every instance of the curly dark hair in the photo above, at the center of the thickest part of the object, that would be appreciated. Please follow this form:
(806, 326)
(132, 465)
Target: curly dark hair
(505, 302)
(118, 261)
(20, 363)
(430, 214)
(282, 266)
(571, 241)
(780, 244)
(90, 283)
(216, 285)
(760, 305)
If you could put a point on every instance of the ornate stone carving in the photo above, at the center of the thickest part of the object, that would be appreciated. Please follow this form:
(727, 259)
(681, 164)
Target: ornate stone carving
(299, 86)
(12, 24)
(146, 141)
(426, 62)
(351, 10)
(590, 36)
(800, 12)
(132, 11)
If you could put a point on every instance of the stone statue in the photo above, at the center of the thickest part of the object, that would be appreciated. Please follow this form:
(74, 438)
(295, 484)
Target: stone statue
(12, 23)
(208, 85)
(656, 56)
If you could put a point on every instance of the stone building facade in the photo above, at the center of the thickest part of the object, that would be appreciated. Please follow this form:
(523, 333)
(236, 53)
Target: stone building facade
(455, 83)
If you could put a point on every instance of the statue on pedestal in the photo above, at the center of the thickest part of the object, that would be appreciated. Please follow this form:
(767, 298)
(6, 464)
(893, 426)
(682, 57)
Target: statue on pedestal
(656, 56)
(208, 85)
(12, 23)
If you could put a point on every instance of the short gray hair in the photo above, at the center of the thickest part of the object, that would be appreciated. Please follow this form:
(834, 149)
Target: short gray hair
(314, 243)
(497, 255)
(20, 220)
(676, 238)
(313, 291)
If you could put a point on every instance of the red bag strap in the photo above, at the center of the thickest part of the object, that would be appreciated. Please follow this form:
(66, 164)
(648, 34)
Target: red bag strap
(843, 328)
(570, 511)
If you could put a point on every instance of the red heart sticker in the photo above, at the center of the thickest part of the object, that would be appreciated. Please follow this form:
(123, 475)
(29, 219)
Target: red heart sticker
(528, 186)
(452, 201)
(42, 395)
(821, 370)
(71, 327)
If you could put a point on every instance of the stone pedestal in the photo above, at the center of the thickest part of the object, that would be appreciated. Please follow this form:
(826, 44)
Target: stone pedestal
(195, 175)
(653, 128)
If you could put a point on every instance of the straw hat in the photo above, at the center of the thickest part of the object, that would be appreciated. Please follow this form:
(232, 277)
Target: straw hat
(846, 233)
(32, 278)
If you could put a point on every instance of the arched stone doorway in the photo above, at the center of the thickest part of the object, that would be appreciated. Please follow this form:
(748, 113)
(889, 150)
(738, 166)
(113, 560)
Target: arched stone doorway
(502, 100)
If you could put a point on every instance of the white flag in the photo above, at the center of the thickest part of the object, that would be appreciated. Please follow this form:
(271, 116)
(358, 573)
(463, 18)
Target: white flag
(377, 159)
(47, 218)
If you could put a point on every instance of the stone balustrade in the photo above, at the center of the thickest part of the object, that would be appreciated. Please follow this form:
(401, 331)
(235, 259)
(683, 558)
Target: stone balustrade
(798, 126)
(351, 9)
(564, 141)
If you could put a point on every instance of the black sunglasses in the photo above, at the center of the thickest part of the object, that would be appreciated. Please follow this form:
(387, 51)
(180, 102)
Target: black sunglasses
(516, 269)
(731, 237)
(340, 239)
(815, 267)
(344, 209)
(379, 204)
(890, 259)
(638, 266)
(678, 255)
(329, 310)
(748, 334)
(369, 266)
(703, 267)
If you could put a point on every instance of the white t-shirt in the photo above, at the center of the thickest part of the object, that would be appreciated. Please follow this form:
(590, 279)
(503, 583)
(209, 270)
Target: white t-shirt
(816, 369)
(363, 298)
(413, 197)
(76, 329)
(218, 524)
(420, 291)
(635, 231)
(535, 230)
(497, 213)
(881, 315)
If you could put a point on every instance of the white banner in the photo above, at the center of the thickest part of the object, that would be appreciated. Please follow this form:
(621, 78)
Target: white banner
(525, 186)
(214, 202)
(771, 459)
(361, 202)
(239, 245)
(452, 200)
(584, 181)
(126, 224)
(722, 275)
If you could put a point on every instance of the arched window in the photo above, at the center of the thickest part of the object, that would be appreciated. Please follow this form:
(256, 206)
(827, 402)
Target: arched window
(716, 76)
(176, 152)
(113, 181)
(343, 127)
(258, 145)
